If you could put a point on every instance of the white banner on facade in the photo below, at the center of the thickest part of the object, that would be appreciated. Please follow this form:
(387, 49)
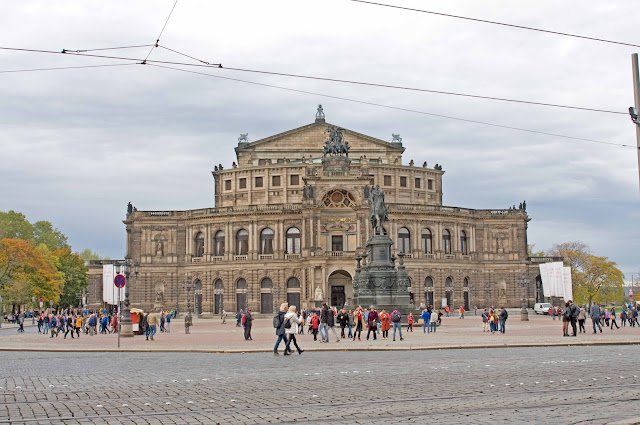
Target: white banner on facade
(109, 290)
(567, 283)
(552, 280)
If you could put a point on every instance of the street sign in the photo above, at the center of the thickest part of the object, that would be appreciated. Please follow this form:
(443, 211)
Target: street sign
(119, 281)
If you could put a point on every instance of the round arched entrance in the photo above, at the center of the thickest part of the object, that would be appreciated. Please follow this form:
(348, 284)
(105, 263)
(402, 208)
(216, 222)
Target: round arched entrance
(340, 288)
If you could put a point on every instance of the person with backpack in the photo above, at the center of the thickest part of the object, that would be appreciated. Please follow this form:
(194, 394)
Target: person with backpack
(384, 323)
(247, 320)
(485, 320)
(278, 323)
(504, 315)
(291, 322)
(396, 318)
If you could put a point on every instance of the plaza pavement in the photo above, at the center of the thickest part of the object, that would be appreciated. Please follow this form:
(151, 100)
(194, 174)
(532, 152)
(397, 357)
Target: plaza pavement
(210, 335)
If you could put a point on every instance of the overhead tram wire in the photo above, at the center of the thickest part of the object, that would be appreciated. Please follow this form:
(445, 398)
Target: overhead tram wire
(396, 107)
(66, 67)
(204, 64)
(161, 31)
(106, 48)
(485, 21)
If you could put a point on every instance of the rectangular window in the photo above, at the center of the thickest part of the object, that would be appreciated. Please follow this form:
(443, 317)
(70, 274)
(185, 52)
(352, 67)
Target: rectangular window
(227, 185)
(262, 162)
(258, 181)
(430, 184)
(243, 183)
(387, 180)
(418, 182)
(295, 180)
(336, 243)
(403, 181)
(275, 180)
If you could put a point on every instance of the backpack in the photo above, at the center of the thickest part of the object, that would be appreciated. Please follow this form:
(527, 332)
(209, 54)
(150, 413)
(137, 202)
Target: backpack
(567, 313)
(276, 321)
(395, 316)
(506, 315)
(287, 324)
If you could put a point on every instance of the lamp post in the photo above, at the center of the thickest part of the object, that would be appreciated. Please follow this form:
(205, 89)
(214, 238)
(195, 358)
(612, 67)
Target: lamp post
(177, 289)
(187, 285)
(524, 282)
(1, 316)
(126, 325)
(33, 312)
(487, 290)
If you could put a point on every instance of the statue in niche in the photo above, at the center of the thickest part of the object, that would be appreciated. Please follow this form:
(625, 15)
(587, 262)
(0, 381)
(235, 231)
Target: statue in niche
(159, 247)
(318, 294)
(159, 296)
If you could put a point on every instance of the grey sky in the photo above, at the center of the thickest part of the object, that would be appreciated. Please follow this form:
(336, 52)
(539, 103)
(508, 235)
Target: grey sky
(78, 144)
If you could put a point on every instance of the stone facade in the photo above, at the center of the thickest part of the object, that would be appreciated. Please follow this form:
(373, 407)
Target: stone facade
(286, 228)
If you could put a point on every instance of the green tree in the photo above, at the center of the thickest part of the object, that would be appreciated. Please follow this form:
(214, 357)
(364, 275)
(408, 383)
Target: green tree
(597, 280)
(14, 225)
(75, 274)
(532, 253)
(45, 233)
(88, 255)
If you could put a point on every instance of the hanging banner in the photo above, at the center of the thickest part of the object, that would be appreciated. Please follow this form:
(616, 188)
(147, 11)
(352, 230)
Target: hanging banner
(109, 291)
(567, 283)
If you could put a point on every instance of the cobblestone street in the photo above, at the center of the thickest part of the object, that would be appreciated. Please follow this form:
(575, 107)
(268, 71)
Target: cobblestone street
(510, 385)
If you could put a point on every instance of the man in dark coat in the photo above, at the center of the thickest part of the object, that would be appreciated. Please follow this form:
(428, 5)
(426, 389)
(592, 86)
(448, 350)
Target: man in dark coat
(248, 321)
(343, 320)
(372, 323)
(280, 330)
(575, 310)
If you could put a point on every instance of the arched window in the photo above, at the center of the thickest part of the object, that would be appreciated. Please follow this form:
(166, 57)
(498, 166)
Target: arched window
(463, 242)
(199, 244)
(428, 290)
(466, 294)
(241, 284)
(218, 296)
(427, 246)
(219, 243)
(446, 241)
(266, 241)
(293, 241)
(293, 283)
(466, 283)
(403, 240)
(242, 242)
(266, 283)
(218, 286)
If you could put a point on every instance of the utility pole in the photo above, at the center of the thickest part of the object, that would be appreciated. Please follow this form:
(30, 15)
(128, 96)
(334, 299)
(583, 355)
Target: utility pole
(636, 97)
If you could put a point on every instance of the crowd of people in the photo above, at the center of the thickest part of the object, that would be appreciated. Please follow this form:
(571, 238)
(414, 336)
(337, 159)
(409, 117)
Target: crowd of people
(576, 316)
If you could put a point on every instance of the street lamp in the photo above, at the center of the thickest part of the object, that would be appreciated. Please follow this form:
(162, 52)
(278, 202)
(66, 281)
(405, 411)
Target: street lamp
(177, 289)
(126, 325)
(524, 282)
(187, 285)
(1, 316)
(487, 290)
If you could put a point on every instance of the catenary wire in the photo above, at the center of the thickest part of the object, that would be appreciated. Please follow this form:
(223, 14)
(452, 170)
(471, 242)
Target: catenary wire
(335, 80)
(66, 67)
(448, 15)
(106, 48)
(397, 108)
(161, 31)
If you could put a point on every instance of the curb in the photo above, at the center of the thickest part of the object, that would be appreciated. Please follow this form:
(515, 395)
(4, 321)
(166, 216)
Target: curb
(265, 350)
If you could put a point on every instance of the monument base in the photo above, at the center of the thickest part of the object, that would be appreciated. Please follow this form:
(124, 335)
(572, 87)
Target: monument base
(126, 329)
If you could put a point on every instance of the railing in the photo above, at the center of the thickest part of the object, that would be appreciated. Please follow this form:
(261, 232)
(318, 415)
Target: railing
(215, 259)
(240, 257)
(341, 253)
(265, 256)
(292, 256)
(196, 259)
(457, 210)
(408, 255)
(449, 257)
(160, 213)
(429, 256)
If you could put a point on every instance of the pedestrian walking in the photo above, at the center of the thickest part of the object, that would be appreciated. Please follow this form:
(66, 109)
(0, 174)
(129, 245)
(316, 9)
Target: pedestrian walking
(595, 313)
(315, 324)
(613, 318)
(358, 319)
(396, 318)
(331, 325)
(70, 326)
(372, 324)
(582, 316)
(162, 320)
(187, 323)
(278, 323)
(385, 323)
(21, 323)
(152, 323)
(223, 316)
(343, 321)
(291, 329)
(461, 312)
(324, 318)
(248, 323)
(239, 318)
(350, 323)
(167, 323)
(485, 320)
(410, 321)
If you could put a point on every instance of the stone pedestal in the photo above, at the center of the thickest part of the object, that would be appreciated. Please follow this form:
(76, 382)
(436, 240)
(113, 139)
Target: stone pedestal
(126, 329)
(378, 283)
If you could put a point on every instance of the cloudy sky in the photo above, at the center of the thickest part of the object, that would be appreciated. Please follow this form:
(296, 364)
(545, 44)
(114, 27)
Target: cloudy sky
(77, 144)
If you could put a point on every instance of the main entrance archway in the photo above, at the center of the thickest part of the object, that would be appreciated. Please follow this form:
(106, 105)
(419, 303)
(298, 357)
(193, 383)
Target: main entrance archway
(340, 288)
